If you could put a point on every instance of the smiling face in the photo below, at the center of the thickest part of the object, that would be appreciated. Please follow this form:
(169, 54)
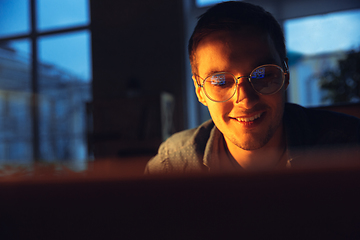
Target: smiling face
(248, 120)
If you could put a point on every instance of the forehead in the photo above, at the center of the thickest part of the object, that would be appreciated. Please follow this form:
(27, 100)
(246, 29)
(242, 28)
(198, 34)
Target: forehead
(249, 48)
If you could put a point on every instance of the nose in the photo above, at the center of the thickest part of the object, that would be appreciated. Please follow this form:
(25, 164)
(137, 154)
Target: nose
(246, 96)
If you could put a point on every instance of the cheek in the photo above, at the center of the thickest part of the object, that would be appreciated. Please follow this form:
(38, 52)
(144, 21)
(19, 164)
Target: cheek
(276, 98)
(276, 103)
(218, 110)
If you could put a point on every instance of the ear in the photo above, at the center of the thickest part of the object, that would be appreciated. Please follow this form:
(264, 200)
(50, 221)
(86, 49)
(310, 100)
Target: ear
(287, 75)
(199, 92)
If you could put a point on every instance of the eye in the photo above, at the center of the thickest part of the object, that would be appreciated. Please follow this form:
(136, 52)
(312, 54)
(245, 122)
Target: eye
(218, 80)
(223, 80)
(271, 75)
(266, 73)
(259, 73)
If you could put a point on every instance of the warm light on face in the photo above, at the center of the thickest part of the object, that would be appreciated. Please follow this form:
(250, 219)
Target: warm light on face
(248, 120)
(265, 80)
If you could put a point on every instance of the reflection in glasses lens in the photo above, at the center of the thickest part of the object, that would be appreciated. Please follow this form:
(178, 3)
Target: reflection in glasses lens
(266, 79)
(220, 87)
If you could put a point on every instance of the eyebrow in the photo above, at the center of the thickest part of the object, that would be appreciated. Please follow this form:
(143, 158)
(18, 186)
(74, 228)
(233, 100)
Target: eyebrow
(269, 60)
(208, 74)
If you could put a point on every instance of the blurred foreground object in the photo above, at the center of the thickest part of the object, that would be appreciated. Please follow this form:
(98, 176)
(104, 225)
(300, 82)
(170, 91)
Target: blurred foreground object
(316, 198)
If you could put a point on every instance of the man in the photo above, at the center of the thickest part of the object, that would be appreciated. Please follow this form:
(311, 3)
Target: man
(240, 72)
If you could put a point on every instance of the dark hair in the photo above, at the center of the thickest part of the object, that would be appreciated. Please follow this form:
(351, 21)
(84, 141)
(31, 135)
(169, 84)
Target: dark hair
(233, 16)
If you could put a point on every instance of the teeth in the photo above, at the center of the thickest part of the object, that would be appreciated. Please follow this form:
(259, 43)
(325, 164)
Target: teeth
(249, 119)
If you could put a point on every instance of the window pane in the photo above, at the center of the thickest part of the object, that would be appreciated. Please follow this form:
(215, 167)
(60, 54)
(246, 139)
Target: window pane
(15, 99)
(315, 45)
(64, 90)
(14, 17)
(69, 52)
(205, 3)
(61, 13)
(324, 33)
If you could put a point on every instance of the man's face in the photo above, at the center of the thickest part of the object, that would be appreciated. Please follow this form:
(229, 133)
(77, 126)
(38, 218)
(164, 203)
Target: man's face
(248, 120)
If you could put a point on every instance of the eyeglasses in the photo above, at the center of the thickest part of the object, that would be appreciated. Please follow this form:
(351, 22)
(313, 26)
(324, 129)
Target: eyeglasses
(266, 80)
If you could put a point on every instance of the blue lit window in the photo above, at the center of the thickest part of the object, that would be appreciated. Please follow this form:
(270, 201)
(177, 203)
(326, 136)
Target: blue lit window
(205, 3)
(315, 44)
(45, 79)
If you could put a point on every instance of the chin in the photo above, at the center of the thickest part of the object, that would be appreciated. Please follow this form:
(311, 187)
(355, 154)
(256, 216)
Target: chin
(252, 142)
(250, 146)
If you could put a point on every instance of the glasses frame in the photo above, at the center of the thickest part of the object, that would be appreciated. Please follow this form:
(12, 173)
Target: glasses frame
(248, 78)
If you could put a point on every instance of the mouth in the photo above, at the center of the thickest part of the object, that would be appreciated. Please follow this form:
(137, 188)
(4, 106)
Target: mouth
(249, 119)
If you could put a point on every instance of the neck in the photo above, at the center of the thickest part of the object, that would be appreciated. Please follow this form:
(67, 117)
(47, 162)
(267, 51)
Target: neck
(264, 158)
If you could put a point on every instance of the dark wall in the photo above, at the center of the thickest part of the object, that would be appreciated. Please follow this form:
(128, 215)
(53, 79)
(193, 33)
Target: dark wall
(138, 52)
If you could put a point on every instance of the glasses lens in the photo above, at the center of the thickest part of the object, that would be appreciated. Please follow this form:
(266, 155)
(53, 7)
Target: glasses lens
(267, 79)
(220, 87)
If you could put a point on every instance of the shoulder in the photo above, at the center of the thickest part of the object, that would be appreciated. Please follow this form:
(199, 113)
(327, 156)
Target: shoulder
(191, 137)
(183, 151)
(314, 126)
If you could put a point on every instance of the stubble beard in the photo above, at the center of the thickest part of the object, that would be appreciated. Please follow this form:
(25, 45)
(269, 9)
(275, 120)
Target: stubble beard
(255, 142)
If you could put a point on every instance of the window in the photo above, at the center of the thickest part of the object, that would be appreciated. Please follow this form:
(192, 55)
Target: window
(45, 79)
(315, 45)
(14, 17)
(206, 3)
